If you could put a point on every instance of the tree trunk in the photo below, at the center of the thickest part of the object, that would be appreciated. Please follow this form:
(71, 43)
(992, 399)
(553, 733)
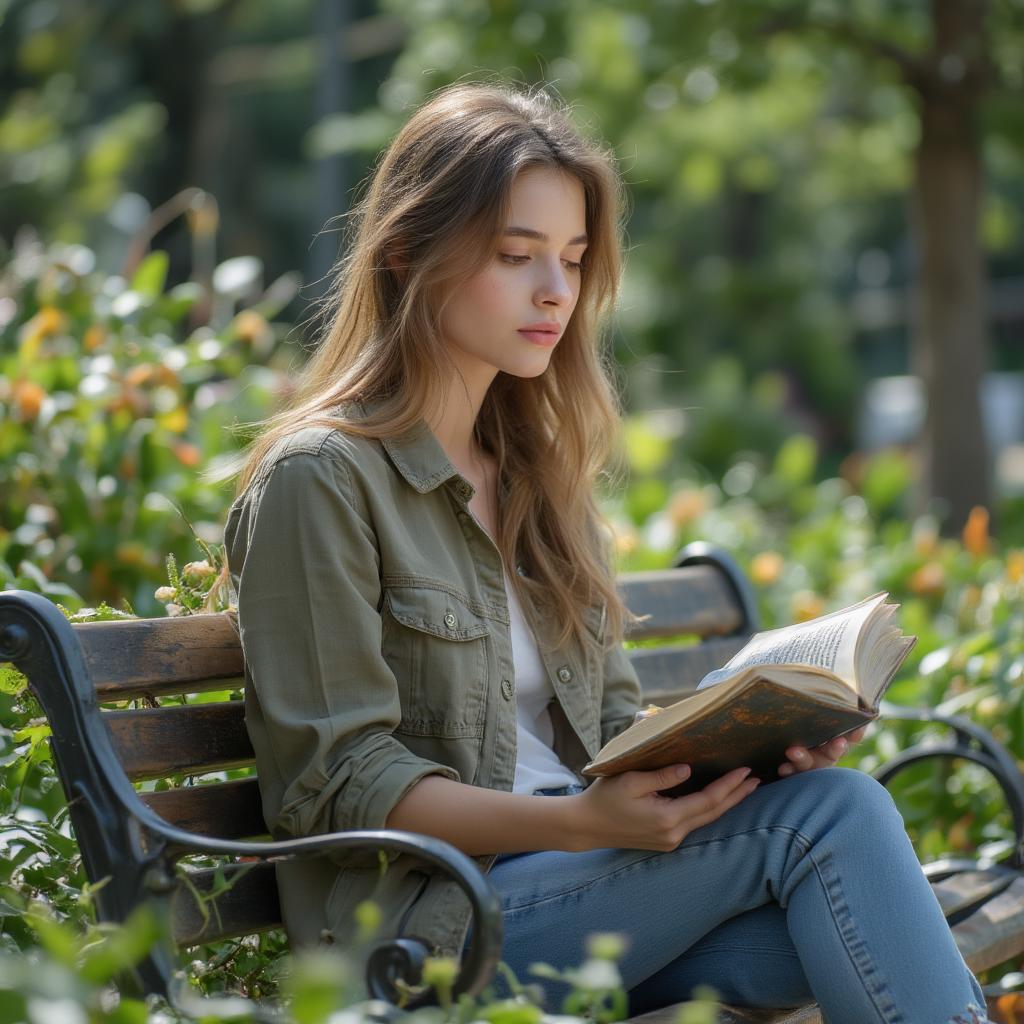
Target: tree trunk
(950, 349)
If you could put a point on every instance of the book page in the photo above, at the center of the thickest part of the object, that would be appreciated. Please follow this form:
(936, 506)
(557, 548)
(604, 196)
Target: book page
(829, 642)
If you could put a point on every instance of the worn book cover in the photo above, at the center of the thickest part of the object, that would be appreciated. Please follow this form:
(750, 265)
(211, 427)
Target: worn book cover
(799, 685)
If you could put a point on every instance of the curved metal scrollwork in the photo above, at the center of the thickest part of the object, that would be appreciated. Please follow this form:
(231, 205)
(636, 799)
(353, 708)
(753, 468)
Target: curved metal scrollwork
(971, 742)
(124, 840)
(400, 960)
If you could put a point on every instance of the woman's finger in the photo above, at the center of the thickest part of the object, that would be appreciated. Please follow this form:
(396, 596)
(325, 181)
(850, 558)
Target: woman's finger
(705, 803)
(803, 760)
(715, 810)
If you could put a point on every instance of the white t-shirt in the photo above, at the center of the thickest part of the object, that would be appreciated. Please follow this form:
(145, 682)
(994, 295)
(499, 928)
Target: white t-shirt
(537, 765)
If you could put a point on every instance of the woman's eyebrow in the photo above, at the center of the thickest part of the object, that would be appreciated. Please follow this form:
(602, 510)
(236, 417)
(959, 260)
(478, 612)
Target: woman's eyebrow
(541, 237)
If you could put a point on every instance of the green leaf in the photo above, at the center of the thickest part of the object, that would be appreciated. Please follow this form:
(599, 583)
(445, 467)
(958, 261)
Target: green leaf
(11, 680)
(150, 275)
(123, 946)
(796, 459)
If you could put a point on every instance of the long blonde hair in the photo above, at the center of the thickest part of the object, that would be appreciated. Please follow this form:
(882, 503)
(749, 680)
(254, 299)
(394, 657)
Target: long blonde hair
(433, 214)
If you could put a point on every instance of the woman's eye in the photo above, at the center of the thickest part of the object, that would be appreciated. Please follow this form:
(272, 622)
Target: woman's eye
(510, 258)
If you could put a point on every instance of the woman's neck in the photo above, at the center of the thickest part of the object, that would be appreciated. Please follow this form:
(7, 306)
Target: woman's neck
(453, 422)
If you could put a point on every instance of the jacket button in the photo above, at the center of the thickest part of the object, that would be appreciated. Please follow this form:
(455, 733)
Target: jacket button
(450, 620)
(507, 689)
(565, 674)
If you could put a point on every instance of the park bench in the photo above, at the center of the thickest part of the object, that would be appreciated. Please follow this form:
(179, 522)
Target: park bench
(85, 674)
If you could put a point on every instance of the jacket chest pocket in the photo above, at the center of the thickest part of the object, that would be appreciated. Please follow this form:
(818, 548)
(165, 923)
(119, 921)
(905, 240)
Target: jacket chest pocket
(437, 647)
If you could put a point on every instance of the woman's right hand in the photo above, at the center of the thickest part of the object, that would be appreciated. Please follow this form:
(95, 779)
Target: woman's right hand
(627, 811)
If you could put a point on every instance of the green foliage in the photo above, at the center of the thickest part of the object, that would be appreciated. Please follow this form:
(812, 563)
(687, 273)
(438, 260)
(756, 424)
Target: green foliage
(114, 397)
(812, 545)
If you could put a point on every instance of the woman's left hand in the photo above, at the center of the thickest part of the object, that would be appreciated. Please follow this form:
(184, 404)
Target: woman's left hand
(802, 759)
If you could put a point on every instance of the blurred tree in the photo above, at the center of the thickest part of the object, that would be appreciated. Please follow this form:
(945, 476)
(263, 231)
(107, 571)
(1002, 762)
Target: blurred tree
(949, 58)
(739, 124)
(770, 149)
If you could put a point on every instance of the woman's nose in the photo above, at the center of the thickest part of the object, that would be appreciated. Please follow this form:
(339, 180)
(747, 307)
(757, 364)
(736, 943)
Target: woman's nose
(556, 286)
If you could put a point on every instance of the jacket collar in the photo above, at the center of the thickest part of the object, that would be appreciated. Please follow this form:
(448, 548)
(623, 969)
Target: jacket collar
(421, 460)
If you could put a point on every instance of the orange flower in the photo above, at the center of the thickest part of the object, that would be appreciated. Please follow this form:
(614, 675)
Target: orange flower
(165, 375)
(187, 454)
(251, 326)
(807, 605)
(623, 537)
(94, 336)
(132, 399)
(1015, 565)
(139, 375)
(928, 580)
(959, 836)
(28, 397)
(48, 321)
(766, 567)
(975, 533)
(685, 506)
(1011, 1008)
(132, 553)
(852, 469)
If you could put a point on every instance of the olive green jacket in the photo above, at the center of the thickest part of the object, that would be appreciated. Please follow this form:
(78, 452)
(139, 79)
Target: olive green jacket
(375, 627)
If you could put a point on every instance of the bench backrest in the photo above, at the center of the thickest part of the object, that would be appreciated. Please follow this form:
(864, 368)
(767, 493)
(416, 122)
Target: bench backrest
(702, 612)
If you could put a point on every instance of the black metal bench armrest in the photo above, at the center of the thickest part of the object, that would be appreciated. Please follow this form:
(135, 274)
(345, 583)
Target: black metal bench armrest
(700, 552)
(479, 964)
(110, 818)
(972, 742)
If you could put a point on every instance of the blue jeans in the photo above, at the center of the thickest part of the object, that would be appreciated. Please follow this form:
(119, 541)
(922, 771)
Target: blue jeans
(807, 890)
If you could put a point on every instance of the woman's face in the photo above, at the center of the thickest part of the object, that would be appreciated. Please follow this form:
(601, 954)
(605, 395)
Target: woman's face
(534, 279)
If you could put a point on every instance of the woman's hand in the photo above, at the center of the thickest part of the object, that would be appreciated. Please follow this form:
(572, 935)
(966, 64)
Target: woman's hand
(802, 759)
(627, 811)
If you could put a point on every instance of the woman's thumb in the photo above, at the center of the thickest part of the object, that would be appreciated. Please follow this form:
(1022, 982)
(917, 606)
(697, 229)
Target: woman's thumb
(667, 777)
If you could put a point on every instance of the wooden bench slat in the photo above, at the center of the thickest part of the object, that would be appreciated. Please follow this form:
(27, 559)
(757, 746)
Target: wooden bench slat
(994, 932)
(697, 599)
(155, 742)
(226, 810)
(168, 688)
(193, 738)
(668, 673)
(250, 906)
(129, 657)
(969, 887)
(189, 653)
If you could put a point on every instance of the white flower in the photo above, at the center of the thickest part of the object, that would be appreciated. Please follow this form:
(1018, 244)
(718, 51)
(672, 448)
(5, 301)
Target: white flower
(595, 974)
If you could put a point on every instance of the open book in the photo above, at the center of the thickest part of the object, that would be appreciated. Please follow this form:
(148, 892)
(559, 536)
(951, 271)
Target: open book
(800, 685)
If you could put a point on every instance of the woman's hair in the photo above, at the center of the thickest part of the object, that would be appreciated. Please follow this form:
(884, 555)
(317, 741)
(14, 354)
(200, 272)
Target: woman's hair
(434, 213)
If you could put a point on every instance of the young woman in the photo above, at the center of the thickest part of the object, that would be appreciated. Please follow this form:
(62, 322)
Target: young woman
(433, 635)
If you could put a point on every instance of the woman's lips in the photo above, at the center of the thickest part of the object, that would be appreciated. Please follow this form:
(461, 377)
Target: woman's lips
(545, 338)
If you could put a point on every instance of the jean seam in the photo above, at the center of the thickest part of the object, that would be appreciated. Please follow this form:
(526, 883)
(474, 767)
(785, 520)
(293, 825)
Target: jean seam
(889, 1015)
(589, 884)
(745, 950)
(650, 855)
(871, 978)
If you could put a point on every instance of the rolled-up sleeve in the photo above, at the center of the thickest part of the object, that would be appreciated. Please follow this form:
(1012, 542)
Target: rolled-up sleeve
(306, 568)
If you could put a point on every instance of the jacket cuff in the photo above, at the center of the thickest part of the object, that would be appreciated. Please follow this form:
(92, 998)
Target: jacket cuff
(372, 792)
